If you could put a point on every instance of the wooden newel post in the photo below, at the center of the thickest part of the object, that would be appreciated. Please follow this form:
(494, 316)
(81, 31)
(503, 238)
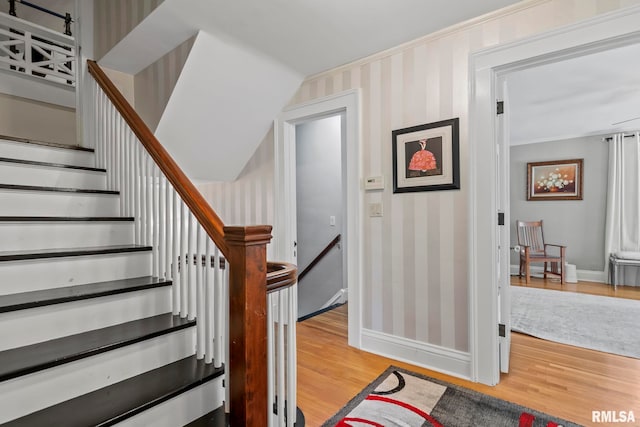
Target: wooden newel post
(247, 379)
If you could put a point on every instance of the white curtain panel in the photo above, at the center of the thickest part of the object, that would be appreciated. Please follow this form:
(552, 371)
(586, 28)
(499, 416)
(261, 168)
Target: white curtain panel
(622, 231)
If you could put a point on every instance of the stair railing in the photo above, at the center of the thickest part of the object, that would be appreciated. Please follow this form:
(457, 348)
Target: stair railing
(66, 17)
(227, 290)
(38, 51)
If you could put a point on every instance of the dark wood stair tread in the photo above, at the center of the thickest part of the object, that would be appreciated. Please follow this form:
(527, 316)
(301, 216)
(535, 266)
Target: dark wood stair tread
(36, 357)
(45, 143)
(64, 218)
(56, 189)
(70, 252)
(115, 403)
(33, 299)
(50, 165)
(215, 418)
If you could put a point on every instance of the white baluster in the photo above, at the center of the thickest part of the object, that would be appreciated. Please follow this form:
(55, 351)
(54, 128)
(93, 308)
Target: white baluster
(168, 228)
(109, 146)
(162, 238)
(270, 356)
(184, 264)
(225, 338)
(292, 373)
(176, 254)
(156, 219)
(131, 173)
(121, 163)
(200, 303)
(208, 302)
(218, 311)
(190, 273)
(137, 214)
(144, 192)
(280, 395)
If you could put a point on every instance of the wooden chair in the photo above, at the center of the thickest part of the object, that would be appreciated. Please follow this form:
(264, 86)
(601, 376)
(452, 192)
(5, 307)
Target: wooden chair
(533, 249)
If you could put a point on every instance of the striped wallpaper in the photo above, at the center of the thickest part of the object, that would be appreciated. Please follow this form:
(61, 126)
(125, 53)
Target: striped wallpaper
(415, 283)
(114, 19)
(154, 84)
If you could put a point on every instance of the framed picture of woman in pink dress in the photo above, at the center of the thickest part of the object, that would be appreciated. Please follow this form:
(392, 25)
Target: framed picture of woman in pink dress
(426, 157)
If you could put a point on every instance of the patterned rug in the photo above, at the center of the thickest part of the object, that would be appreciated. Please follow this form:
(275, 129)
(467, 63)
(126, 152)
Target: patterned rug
(403, 398)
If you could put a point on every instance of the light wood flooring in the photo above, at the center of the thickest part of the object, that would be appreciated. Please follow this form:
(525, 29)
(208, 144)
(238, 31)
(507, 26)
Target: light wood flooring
(565, 381)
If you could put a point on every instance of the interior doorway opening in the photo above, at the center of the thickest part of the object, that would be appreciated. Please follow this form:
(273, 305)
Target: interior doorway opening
(320, 214)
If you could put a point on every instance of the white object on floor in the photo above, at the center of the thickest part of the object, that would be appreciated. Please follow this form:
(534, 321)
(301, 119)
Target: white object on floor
(570, 273)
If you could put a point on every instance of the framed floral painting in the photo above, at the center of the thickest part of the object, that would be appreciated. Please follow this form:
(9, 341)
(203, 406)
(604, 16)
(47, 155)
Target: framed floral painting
(426, 157)
(555, 180)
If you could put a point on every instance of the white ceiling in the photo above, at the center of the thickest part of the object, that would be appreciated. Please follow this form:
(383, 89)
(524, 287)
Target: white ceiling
(312, 36)
(309, 36)
(589, 95)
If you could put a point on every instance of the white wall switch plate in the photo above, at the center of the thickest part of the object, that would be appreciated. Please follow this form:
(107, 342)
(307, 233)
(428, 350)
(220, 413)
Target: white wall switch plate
(375, 209)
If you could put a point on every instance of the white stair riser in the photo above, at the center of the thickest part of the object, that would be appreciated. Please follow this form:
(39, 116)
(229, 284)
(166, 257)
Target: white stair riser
(53, 203)
(43, 153)
(55, 321)
(182, 409)
(22, 174)
(41, 235)
(32, 275)
(39, 390)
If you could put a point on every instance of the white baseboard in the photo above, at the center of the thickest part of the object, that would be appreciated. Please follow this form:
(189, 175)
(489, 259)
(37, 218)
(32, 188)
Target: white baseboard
(441, 359)
(339, 298)
(583, 275)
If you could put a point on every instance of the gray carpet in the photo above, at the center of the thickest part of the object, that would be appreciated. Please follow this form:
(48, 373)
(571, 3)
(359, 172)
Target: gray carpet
(599, 323)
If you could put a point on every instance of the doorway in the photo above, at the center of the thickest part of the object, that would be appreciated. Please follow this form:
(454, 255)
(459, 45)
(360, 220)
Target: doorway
(320, 214)
(487, 68)
(285, 221)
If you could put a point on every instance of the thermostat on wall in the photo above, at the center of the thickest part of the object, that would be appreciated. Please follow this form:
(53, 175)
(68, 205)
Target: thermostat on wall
(374, 183)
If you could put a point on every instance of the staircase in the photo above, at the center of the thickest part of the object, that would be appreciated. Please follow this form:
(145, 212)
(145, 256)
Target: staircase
(88, 336)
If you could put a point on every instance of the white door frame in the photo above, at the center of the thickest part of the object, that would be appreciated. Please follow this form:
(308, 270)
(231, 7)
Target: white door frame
(486, 67)
(285, 192)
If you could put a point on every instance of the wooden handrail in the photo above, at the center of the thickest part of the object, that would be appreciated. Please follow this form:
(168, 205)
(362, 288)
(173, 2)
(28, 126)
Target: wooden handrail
(280, 275)
(203, 212)
(321, 255)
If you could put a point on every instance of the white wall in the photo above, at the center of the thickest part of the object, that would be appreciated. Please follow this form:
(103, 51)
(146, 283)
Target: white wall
(578, 224)
(29, 119)
(319, 197)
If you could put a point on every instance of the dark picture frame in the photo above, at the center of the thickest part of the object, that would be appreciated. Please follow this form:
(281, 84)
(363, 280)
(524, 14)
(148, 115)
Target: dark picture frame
(426, 157)
(555, 180)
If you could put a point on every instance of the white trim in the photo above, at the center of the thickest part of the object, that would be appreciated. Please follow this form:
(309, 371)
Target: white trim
(284, 190)
(606, 31)
(339, 298)
(583, 275)
(436, 358)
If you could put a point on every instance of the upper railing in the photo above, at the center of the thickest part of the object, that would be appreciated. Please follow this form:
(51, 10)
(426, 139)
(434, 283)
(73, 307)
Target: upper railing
(37, 51)
(66, 17)
(225, 286)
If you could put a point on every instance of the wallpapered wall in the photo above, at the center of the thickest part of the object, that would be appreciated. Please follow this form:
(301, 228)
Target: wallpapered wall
(415, 260)
(114, 19)
(154, 84)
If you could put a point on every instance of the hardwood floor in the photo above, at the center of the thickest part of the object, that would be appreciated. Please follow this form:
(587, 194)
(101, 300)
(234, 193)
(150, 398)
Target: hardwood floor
(565, 381)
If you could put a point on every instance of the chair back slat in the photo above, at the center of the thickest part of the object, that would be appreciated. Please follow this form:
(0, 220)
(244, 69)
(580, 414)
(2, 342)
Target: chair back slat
(530, 234)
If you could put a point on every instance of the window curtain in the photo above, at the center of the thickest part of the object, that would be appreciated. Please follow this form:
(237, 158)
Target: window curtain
(622, 230)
